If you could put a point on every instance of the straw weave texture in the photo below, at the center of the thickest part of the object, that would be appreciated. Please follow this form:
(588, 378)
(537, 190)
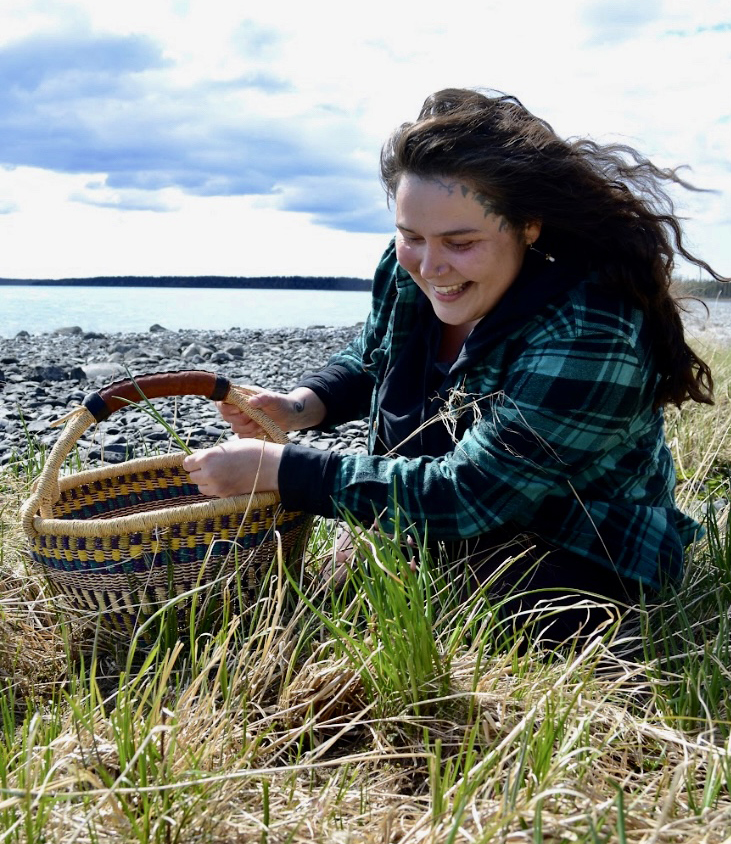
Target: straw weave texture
(122, 540)
(127, 574)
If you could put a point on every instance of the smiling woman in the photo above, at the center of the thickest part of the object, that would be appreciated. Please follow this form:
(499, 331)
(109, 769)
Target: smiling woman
(521, 344)
(463, 270)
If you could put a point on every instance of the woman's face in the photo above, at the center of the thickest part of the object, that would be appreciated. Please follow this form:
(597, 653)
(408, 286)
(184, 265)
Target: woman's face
(460, 253)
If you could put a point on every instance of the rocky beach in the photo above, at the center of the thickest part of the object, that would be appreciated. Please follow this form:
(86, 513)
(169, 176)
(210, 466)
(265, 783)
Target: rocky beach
(44, 376)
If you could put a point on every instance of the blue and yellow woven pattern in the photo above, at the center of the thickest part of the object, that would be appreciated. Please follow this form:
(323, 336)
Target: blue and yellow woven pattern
(123, 540)
(127, 575)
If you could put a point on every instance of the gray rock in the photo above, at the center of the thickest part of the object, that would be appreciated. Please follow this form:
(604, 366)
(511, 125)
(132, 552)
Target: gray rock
(37, 426)
(49, 372)
(104, 372)
(192, 351)
(197, 350)
(236, 350)
(68, 330)
(108, 456)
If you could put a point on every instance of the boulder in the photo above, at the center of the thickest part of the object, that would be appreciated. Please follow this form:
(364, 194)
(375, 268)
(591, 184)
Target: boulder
(69, 330)
(49, 372)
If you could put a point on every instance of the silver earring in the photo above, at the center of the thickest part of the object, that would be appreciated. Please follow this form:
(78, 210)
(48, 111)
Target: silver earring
(546, 256)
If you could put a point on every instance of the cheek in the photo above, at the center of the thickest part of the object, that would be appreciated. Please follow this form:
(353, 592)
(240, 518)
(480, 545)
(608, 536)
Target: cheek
(407, 257)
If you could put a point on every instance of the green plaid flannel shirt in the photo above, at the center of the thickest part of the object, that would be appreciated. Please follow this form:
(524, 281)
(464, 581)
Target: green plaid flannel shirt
(561, 437)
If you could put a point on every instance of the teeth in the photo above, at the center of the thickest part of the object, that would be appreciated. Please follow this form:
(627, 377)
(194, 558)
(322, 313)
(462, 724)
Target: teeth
(446, 291)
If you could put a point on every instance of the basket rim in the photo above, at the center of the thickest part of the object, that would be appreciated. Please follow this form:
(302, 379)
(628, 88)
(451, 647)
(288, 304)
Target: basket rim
(135, 522)
(137, 464)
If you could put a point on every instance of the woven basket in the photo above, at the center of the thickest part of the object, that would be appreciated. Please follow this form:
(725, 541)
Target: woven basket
(122, 540)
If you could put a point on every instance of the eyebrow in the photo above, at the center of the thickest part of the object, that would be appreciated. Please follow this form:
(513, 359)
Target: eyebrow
(450, 233)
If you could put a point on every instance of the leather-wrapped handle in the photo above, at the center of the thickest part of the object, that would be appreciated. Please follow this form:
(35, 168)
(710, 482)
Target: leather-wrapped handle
(190, 382)
(187, 382)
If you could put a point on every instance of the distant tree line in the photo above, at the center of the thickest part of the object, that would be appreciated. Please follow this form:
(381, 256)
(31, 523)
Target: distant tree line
(681, 287)
(702, 289)
(230, 282)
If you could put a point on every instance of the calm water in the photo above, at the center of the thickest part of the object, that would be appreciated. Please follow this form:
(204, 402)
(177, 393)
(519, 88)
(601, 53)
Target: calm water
(121, 309)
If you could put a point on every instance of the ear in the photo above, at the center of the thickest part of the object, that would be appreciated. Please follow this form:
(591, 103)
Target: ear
(532, 232)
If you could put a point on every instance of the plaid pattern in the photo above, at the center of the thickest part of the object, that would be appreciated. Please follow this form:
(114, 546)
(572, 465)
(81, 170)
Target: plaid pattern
(555, 425)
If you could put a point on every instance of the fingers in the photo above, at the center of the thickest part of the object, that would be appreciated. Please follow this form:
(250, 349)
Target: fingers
(240, 422)
(236, 467)
(270, 403)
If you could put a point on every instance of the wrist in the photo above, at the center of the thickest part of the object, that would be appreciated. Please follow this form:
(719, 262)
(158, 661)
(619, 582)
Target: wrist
(268, 474)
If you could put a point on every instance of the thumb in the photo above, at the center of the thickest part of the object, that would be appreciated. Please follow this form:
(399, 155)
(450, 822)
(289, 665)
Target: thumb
(192, 461)
(264, 399)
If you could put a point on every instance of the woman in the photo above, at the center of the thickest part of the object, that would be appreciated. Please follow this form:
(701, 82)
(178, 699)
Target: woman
(521, 344)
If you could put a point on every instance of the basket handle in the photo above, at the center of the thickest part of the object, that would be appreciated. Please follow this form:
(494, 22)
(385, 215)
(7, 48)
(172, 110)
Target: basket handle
(191, 382)
(100, 405)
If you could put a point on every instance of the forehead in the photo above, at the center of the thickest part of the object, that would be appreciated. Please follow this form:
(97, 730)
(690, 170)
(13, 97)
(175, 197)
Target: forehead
(446, 186)
(440, 201)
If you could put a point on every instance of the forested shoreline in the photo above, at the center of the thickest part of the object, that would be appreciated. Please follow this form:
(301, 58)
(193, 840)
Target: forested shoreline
(703, 289)
(230, 282)
(682, 287)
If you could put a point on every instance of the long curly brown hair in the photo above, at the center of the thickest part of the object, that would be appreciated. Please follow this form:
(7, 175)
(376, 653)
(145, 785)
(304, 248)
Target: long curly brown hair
(604, 207)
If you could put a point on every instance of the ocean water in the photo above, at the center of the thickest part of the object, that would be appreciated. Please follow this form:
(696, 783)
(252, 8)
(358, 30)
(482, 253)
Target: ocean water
(39, 309)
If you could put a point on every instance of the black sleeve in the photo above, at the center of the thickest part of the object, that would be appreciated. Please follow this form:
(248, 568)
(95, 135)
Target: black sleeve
(345, 394)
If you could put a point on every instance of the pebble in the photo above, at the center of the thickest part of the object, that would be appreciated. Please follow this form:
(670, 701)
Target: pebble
(45, 376)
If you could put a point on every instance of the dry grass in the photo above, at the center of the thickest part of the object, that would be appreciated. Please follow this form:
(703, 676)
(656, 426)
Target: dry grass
(290, 725)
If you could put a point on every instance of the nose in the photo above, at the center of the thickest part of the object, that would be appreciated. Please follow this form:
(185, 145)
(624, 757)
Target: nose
(433, 263)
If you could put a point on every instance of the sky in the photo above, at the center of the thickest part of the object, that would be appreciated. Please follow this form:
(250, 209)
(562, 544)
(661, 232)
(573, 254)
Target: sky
(226, 137)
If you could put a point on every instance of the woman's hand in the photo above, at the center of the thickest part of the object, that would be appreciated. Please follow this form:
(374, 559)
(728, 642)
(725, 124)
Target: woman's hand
(235, 467)
(291, 411)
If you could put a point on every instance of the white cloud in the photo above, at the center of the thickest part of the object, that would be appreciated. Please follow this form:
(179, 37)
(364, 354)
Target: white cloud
(269, 118)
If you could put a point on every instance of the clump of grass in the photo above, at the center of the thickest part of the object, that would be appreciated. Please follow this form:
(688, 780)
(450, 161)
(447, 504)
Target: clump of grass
(383, 619)
(699, 437)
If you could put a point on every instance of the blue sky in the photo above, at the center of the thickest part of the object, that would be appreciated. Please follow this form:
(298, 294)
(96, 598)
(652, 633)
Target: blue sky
(187, 137)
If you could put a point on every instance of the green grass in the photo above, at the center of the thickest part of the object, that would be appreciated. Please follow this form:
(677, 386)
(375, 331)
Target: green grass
(386, 711)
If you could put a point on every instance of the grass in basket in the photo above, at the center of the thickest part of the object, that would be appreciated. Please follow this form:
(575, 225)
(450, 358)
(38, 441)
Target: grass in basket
(382, 713)
(147, 407)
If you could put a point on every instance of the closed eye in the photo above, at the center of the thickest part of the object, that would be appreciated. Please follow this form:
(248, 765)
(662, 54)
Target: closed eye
(411, 238)
(462, 246)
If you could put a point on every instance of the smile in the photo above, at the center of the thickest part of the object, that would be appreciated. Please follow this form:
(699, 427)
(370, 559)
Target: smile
(451, 289)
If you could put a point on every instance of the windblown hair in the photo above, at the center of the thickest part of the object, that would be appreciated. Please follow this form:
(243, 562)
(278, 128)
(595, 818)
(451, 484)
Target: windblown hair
(603, 207)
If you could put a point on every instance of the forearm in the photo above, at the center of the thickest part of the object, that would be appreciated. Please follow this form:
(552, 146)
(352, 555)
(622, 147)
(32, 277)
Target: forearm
(308, 409)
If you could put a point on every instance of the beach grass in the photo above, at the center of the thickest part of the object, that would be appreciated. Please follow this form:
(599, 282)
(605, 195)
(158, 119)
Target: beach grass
(388, 710)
